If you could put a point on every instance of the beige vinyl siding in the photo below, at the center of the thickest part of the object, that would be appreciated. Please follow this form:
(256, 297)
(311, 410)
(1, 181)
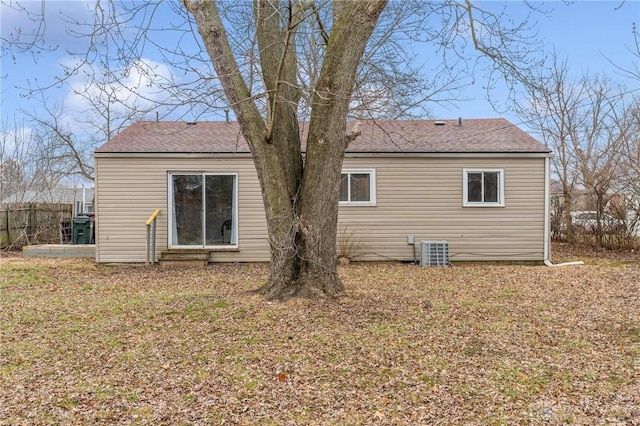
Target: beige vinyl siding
(130, 189)
(419, 196)
(423, 197)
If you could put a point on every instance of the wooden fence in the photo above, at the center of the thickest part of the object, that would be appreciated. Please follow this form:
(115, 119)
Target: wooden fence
(35, 223)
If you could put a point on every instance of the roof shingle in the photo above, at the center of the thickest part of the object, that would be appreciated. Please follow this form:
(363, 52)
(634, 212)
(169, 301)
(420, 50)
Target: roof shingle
(380, 136)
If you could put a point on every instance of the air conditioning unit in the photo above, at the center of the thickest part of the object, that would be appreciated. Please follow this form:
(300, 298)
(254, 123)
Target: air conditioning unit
(434, 253)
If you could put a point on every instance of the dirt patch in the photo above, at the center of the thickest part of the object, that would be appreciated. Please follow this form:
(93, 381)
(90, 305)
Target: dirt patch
(562, 252)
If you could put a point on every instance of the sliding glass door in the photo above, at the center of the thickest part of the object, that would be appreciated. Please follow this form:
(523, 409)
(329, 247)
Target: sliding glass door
(203, 209)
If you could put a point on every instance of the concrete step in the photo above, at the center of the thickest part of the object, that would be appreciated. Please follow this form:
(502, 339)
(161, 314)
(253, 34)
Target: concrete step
(60, 250)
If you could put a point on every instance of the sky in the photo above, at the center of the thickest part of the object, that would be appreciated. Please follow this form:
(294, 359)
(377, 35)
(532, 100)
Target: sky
(590, 34)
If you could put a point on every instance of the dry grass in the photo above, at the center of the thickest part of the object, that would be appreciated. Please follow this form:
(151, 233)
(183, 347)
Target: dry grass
(472, 344)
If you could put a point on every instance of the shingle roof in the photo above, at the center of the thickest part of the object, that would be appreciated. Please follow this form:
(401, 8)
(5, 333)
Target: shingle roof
(494, 135)
(58, 195)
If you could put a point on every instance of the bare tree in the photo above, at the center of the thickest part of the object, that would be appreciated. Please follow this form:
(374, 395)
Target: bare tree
(555, 111)
(631, 153)
(28, 162)
(11, 174)
(631, 71)
(301, 213)
(599, 154)
(107, 108)
(589, 126)
(300, 197)
(625, 203)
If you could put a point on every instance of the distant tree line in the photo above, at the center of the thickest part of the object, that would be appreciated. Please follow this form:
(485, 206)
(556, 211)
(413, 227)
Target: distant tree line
(592, 124)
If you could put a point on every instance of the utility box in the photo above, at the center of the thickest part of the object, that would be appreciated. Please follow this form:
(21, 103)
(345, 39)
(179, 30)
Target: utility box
(434, 253)
(83, 230)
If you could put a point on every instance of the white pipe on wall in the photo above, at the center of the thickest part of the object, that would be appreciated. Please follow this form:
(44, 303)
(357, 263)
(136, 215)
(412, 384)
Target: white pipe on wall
(547, 240)
(546, 249)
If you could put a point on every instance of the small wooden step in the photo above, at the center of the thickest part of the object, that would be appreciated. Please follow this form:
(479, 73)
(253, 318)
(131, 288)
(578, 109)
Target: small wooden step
(193, 257)
(188, 255)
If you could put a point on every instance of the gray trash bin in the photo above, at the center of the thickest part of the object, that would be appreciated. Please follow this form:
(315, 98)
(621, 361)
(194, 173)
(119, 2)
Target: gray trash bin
(82, 230)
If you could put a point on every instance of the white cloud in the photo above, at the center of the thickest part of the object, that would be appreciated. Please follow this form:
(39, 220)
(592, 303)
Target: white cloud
(136, 87)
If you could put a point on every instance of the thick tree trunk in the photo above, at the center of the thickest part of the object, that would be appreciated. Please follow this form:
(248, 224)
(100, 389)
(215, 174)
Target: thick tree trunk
(300, 199)
(303, 244)
(309, 268)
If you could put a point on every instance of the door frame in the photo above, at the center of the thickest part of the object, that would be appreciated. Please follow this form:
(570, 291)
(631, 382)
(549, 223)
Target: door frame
(171, 211)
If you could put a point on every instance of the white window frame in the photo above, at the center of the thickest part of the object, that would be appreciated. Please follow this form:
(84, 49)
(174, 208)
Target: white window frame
(372, 187)
(465, 188)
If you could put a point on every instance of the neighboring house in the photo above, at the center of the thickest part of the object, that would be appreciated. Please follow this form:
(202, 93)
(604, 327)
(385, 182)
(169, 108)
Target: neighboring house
(45, 216)
(482, 185)
(80, 198)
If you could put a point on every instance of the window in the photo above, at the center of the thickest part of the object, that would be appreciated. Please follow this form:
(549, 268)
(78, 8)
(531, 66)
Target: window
(483, 188)
(358, 187)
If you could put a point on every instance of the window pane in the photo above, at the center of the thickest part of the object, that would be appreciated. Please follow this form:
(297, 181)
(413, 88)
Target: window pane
(344, 187)
(360, 187)
(474, 187)
(187, 204)
(491, 187)
(219, 208)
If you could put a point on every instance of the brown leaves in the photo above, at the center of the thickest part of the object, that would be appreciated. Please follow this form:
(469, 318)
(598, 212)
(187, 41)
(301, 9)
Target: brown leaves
(405, 345)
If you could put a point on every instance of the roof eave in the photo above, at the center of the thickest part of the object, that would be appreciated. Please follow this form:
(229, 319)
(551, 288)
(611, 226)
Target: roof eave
(120, 154)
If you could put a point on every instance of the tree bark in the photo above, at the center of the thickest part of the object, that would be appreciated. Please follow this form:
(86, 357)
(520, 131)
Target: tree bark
(300, 197)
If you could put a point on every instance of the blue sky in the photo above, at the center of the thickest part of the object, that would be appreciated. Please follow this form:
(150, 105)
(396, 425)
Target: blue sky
(588, 33)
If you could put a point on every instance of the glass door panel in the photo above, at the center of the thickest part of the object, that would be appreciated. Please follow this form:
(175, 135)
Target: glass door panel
(187, 207)
(219, 209)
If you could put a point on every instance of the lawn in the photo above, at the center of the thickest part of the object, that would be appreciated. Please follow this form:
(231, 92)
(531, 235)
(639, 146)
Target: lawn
(470, 344)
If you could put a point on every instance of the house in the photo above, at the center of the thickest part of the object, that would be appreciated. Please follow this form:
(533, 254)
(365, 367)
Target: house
(79, 199)
(482, 185)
